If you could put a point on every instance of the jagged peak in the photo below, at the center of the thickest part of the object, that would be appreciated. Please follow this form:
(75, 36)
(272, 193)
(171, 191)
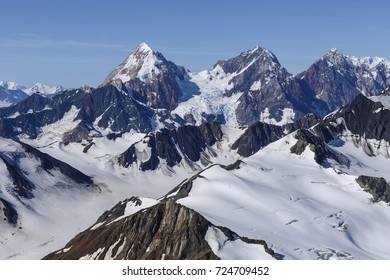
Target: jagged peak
(258, 55)
(144, 48)
(333, 52)
(141, 63)
(259, 51)
(370, 62)
(334, 57)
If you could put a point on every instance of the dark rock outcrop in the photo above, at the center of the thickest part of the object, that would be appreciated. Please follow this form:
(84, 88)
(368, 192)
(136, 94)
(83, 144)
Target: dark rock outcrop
(48, 163)
(109, 106)
(153, 80)
(87, 147)
(305, 122)
(378, 187)
(322, 152)
(9, 96)
(337, 79)
(265, 86)
(22, 186)
(9, 211)
(172, 145)
(256, 137)
(167, 230)
(362, 117)
(81, 132)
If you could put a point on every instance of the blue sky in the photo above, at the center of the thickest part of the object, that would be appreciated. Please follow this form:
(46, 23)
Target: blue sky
(79, 42)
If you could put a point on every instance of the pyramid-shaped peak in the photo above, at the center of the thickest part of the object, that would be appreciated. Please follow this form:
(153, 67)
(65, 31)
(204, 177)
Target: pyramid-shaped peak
(144, 47)
(333, 52)
(257, 50)
(334, 57)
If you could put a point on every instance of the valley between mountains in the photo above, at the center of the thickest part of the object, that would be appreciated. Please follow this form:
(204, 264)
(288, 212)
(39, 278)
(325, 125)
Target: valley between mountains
(243, 161)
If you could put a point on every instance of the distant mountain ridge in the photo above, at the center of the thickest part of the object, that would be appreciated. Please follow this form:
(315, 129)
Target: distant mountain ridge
(337, 79)
(12, 93)
(250, 87)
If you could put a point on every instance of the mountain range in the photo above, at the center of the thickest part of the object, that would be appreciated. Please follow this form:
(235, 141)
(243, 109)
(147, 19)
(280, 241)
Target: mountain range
(12, 93)
(243, 161)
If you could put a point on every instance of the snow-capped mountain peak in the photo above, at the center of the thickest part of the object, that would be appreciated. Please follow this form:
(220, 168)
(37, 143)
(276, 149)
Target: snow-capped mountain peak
(36, 88)
(10, 85)
(154, 79)
(334, 57)
(259, 57)
(372, 62)
(144, 47)
(43, 89)
(143, 63)
(12, 93)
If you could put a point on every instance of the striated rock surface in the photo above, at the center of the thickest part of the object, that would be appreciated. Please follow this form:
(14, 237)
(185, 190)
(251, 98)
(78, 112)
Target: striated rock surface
(167, 230)
(171, 146)
(378, 187)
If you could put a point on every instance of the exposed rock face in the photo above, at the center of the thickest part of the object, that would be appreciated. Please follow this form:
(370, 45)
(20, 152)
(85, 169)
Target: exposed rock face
(26, 170)
(257, 65)
(259, 135)
(386, 91)
(337, 79)
(9, 213)
(165, 231)
(332, 79)
(363, 117)
(152, 78)
(21, 185)
(9, 97)
(378, 187)
(268, 90)
(322, 152)
(106, 107)
(81, 132)
(171, 145)
(305, 122)
(48, 163)
(256, 137)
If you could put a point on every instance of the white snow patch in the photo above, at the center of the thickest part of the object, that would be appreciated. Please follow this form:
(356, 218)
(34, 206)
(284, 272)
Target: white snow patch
(234, 250)
(256, 86)
(93, 256)
(275, 187)
(287, 117)
(383, 99)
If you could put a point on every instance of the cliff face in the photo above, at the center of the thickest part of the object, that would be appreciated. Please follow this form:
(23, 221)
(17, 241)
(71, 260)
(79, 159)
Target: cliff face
(153, 231)
(171, 146)
(165, 231)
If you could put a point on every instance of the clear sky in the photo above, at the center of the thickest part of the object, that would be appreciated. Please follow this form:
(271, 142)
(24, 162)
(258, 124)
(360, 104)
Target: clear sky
(76, 42)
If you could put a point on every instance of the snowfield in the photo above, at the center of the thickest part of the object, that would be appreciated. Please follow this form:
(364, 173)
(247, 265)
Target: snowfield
(301, 209)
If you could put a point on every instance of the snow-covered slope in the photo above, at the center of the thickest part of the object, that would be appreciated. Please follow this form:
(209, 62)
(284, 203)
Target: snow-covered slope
(12, 93)
(299, 208)
(56, 208)
(153, 79)
(36, 88)
(337, 79)
(302, 210)
(250, 87)
(43, 89)
(320, 192)
(241, 91)
(304, 195)
(9, 97)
